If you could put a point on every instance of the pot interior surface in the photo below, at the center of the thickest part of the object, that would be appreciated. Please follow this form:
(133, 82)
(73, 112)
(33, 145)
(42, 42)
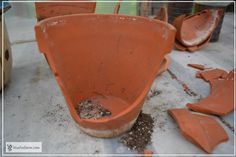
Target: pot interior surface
(197, 28)
(110, 58)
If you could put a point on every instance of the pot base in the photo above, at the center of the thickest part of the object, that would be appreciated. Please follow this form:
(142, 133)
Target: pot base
(108, 133)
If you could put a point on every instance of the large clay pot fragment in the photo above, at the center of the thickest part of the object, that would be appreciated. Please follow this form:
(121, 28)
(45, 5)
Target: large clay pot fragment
(194, 31)
(212, 74)
(199, 6)
(201, 130)
(221, 100)
(50, 9)
(181, 47)
(111, 58)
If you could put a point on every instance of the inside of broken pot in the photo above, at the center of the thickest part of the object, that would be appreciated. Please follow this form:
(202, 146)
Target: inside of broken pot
(199, 27)
(107, 61)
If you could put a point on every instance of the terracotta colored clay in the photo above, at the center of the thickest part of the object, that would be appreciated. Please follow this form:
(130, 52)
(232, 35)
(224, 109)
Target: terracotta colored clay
(162, 14)
(51, 9)
(212, 74)
(111, 58)
(194, 29)
(147, 153)
(164, 65)
(197, 66)
(181, 47)
(204, 131)
(221, 100)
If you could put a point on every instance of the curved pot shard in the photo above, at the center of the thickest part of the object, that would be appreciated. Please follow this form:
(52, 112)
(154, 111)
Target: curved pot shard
(221, 100)
(197, 66)
(162, 14)
(164, 65)
(50, 9)
(203, 131)
(212, 74)
(194, 31)
(181, 47)
(109, 59)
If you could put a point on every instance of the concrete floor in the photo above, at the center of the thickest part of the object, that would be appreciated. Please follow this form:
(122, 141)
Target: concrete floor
(35, 109)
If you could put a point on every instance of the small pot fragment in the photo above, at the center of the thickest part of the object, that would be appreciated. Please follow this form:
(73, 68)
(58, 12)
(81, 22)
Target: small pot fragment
(147, 153)
(212, 74)
(164, 65)
(194, 31)
(162, 15)
(221, 100)
(204, 131)
(197, 66)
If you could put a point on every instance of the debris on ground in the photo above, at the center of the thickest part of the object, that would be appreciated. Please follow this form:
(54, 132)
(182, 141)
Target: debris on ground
(204, 131)
(90, 109)
(197, 66)
(227, 124)
(185, 86)
(140, 134)
(153, 93)
(57, 116)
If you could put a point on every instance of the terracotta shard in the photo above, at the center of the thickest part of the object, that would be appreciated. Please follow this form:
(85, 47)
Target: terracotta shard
(162, 14)
(51, 9)
(194, 31)
(181, 47)
(197, 66)
(147, 153)
(212, 74)
(201, 130)
(221, 100)
(164, 65)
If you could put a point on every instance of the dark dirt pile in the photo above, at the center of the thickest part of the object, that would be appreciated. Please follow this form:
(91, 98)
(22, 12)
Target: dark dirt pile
(89, 109)
(140, 134)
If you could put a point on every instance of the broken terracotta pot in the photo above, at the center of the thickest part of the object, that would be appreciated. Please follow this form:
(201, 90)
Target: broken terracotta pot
(194, 31)
(50, 9)
(109, 58)
(204, 131)
(221, 99)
